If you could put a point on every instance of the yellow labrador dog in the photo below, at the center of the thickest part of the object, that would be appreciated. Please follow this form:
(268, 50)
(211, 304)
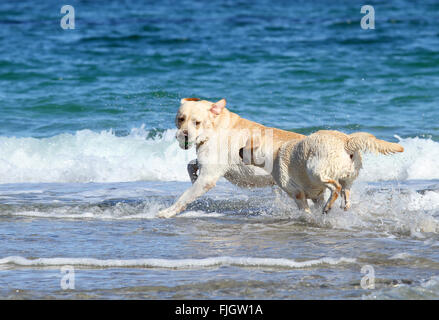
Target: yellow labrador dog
(222, 139)
(304, 168)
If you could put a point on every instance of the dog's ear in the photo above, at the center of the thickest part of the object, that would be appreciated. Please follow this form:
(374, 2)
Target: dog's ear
(218, 106)
(188, 99)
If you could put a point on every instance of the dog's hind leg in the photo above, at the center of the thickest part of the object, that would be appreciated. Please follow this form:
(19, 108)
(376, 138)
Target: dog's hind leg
(301, 201)
(299, 197)
(335, 188)
(345, 192)
(319, 201)
(346, 197)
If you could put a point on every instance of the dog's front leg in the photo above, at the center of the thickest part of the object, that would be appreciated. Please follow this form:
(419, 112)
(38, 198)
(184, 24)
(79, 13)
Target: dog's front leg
(205, 181)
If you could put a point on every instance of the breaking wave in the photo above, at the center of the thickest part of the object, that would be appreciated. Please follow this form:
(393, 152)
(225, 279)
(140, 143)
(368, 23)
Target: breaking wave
(88, 156)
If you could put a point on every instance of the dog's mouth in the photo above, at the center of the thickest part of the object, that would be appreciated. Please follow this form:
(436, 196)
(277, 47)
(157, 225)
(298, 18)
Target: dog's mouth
(184, 142)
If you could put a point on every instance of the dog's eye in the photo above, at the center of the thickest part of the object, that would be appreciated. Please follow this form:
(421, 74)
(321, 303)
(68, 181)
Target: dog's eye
(180, 119)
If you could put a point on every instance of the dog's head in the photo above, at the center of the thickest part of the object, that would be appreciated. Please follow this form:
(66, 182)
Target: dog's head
(195, 118)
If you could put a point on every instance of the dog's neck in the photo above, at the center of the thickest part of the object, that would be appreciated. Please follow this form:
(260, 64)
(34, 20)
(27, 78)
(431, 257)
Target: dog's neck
(225, 119)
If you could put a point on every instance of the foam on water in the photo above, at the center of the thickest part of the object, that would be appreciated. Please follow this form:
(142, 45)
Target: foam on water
(175, 263)
(88, 156)
(418, 161)
(392, 212)
(105, 157)
(387, 212)
(120, 211)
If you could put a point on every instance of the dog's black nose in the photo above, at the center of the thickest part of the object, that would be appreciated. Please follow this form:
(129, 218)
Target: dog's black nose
(185, 132)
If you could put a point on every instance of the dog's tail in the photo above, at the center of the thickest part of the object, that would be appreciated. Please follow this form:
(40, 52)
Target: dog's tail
(366, 142)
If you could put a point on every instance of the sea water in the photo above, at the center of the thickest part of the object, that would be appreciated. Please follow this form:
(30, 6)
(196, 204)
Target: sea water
(88, 154)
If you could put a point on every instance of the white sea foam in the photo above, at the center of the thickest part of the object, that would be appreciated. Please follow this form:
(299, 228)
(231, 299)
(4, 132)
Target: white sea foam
(400, 256)
(390, 211)
(418, 161)
(120, 211)
(88, 156)
(200, 214)
(174, 263)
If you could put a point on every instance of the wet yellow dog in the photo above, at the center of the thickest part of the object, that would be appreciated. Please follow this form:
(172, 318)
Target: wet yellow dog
(249, 154)
(325, 160)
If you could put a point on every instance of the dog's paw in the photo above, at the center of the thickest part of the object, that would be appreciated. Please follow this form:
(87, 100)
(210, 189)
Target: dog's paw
(166, 213)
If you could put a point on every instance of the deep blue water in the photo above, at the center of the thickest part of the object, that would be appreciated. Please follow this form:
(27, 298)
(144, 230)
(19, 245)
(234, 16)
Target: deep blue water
(299, 65)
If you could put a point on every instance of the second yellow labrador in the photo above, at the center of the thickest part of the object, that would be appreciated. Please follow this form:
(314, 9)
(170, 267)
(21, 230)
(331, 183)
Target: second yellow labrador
(304, 168)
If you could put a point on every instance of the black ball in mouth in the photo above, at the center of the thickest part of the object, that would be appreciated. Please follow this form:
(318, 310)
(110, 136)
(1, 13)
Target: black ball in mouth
(186, 142)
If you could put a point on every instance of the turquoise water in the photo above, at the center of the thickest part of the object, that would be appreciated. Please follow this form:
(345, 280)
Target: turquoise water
(299, 66)
(88, 155)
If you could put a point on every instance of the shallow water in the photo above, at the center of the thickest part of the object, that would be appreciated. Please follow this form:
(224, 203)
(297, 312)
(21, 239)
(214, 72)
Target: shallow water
(230, 244)
(88, 155)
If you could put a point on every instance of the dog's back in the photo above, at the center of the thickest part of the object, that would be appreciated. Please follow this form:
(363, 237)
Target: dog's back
(307, 162)
(326, 159)
(335, 155)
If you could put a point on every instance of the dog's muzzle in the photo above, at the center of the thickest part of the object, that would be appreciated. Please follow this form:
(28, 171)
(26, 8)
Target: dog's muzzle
(183, 141)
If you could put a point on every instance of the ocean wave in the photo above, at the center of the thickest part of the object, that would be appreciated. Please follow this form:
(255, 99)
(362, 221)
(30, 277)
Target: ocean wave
(391, 213)
(417, 162)
(388, 212)
(174, 263)
(88, 156)
(120, 211)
